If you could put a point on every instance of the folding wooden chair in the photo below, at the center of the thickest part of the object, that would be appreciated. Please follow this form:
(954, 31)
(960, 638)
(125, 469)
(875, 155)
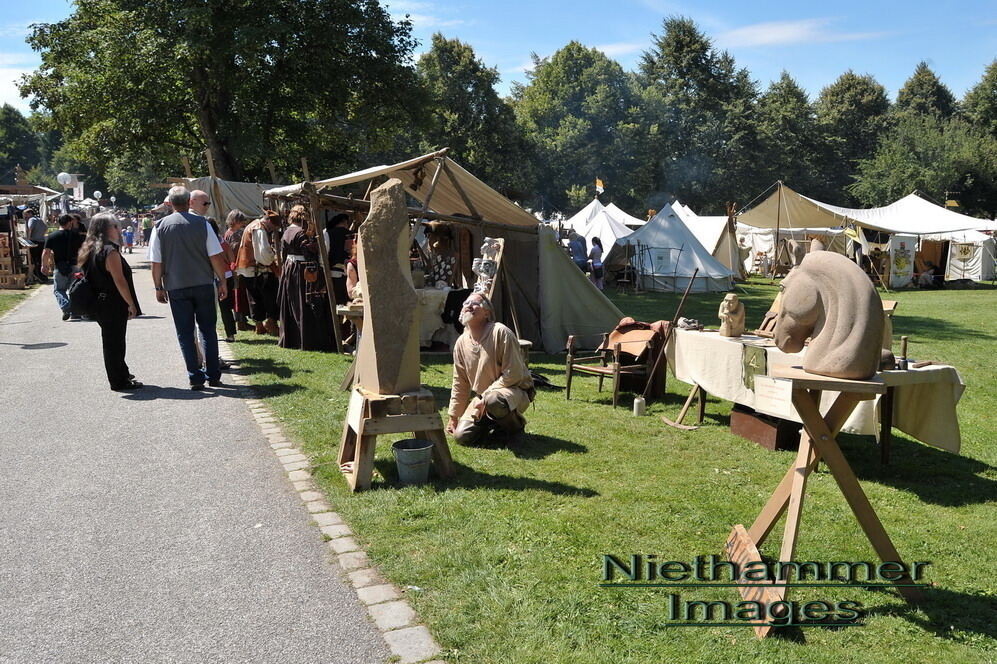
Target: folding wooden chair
(621, 355)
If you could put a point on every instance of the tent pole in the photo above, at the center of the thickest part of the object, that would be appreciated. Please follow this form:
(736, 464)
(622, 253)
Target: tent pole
(319, 214)
(432, 186)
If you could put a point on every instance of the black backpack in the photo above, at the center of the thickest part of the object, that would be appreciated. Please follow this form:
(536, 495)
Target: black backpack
(82, 295)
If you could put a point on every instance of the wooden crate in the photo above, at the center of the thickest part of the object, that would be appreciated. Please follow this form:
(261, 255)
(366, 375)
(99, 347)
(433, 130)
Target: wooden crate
(771, 433)
(12, 281)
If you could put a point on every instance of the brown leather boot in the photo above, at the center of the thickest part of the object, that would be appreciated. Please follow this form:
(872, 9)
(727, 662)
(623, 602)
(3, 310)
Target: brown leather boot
(272, 328)
(261, 328)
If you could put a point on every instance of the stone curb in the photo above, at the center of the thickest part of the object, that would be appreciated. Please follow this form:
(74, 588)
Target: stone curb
(408, 641)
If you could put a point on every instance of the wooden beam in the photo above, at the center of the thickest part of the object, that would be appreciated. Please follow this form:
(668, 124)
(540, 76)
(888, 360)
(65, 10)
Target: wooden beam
(273, 171)
(304, 169)
(186, 166)
(211, 162)
(463, 195)
(318, 219)
(432, 186)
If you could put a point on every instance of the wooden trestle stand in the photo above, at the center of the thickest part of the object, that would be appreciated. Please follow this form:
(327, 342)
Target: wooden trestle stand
(817, 442)
(371, 415)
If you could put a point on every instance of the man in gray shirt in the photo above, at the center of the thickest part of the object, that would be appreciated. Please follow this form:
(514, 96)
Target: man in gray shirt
(36, 230)
(186, 261)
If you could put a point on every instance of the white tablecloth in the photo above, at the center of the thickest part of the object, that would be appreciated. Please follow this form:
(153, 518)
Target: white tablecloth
(924, 399)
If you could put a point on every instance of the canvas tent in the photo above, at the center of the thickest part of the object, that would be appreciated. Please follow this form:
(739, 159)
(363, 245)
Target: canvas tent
(607, 229)
(247, 197)
(624, 218)
(547, 297)
(665, 254)
(716, 235)
(971, 255)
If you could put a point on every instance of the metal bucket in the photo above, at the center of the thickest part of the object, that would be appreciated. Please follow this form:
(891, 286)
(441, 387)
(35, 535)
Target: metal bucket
(413, 456)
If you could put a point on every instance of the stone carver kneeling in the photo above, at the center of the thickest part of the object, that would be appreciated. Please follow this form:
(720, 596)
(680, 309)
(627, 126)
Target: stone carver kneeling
(487, 361)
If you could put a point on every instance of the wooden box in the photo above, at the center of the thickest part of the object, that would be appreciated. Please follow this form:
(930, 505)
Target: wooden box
(772, 433)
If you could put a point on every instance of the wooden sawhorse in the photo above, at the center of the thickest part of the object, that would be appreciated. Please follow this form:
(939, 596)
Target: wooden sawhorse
(371, 415)
(817, 442)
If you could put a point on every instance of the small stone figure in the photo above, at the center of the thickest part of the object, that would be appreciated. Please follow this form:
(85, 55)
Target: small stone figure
(731, 316)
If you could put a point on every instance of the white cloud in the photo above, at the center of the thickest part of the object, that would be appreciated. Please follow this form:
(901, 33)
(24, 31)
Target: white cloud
(422, 14)
(9, 93)
(784, 33)
(620, 48)
(16, 30)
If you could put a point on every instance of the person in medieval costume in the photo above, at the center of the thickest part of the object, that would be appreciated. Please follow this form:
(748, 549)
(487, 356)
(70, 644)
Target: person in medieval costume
(302, 300)
(256, 266)
(492, 386)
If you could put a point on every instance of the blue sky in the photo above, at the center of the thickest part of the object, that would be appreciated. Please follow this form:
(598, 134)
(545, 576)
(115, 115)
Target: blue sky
(815, 43)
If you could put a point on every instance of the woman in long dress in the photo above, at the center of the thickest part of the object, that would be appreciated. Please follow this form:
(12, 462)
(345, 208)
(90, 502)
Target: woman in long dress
(305, 320)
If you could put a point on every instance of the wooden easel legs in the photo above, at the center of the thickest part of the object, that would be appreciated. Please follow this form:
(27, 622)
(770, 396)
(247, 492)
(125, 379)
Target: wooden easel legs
(817, 442)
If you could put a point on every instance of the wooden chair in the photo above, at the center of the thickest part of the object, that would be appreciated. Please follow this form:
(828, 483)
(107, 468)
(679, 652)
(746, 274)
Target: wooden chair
(621, 355)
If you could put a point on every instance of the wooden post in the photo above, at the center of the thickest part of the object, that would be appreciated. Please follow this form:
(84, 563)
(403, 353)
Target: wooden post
(186, 167)
(318, 218)
(273, 172)
(211, 162)
(432, 186)
(304, 169)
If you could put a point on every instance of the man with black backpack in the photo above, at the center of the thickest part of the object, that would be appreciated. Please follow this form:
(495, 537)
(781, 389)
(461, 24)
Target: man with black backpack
(59, 260)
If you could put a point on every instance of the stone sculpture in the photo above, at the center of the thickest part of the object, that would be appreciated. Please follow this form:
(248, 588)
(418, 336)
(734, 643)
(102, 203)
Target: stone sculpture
(388, 356)
(731, 316)
(830, 299)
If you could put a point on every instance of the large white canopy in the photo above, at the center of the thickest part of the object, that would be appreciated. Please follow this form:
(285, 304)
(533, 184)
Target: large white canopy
(911, 214)
(666, 253)
(714, 234)
(624, 218)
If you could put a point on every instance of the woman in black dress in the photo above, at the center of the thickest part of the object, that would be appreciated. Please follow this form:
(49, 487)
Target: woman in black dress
(110, 278)
(305, 320)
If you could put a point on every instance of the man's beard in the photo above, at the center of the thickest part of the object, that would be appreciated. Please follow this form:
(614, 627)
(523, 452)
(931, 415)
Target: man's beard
(465, 318)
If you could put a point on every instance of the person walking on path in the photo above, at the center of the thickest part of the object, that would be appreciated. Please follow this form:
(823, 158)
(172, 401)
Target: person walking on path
(59, 259)
(110, 278)
(36, 230)
(186, 259)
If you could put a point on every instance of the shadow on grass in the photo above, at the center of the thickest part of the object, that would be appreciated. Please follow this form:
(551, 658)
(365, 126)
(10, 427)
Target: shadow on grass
(947, 611)
(937, 329)
(280, 369)
(934, 475)
(469, 478)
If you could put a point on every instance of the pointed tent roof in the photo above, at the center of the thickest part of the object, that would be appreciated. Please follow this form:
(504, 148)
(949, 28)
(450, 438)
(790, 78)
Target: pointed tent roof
(911, 214)
(623, 217)
(578, 221)
(607, 229)
(708, 230)
(673, 254)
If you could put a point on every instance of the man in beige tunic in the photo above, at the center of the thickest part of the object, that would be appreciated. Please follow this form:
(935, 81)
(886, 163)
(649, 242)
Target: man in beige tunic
(487, 362)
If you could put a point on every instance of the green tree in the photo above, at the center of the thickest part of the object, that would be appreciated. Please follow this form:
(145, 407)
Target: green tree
(852, 114)
(924, 93)
(788, 135)
(980, 103)
(250, 81)
(18, 143)
(578, 110)
(700, 108)
(929, 154)
(467, 114)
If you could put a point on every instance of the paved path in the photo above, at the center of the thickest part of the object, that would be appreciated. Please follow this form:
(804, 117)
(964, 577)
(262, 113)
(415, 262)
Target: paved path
(154, 527)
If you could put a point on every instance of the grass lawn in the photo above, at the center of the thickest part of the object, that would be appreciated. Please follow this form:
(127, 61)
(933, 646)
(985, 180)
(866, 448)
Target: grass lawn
(503, 561)
(10, 298)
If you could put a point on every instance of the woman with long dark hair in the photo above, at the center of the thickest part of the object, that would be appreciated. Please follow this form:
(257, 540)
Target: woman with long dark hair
(110, 278)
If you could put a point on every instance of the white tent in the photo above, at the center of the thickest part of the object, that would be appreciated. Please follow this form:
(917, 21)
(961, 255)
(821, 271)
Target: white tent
(971, 255)
(607, 229)
(714, 233)
(624, 218)
(665, 253)
(578, 221)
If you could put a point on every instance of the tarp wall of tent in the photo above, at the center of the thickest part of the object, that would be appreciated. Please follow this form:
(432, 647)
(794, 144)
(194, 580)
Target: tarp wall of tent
(247, 197)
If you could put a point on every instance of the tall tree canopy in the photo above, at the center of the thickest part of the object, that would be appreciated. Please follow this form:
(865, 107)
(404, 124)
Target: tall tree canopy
(251, 81)
(934, 156)
(577, 110)
(18, 143)
(980, 103)
(700, 108)
(924, 93)
(788, 136)
(467, 114)
(852, 113)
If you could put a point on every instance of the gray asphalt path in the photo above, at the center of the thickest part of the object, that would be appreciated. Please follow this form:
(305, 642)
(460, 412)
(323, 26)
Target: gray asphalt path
(154, 527)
